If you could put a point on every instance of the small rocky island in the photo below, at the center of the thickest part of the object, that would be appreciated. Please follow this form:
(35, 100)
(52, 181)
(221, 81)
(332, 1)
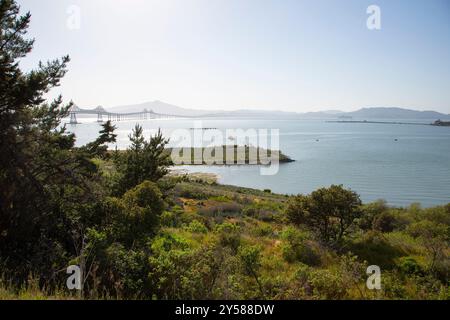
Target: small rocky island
(441, 123)
(208, 154)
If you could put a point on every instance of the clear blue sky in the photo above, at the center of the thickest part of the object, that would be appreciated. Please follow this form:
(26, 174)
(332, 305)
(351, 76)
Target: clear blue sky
(268, 54)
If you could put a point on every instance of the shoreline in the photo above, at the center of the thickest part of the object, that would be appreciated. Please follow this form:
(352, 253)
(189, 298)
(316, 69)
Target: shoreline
(380, 122)
(435, 124)
(212, 178)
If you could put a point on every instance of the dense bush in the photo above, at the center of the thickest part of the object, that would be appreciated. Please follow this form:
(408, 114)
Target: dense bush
(192, 192)
(435, 238)
(371, 211)
(229, 235)
(250, 257)
(374, 248)
(330, 212)
(326, 284)
(384, 222)
(408, 265)
(297, 248)
(197, 227)
(264, 230)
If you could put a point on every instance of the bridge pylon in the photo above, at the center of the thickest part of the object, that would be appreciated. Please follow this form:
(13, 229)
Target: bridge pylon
(73, 118)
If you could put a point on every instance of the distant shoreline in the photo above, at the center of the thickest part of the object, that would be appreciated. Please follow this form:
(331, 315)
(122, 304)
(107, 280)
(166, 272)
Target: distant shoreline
(435, 124)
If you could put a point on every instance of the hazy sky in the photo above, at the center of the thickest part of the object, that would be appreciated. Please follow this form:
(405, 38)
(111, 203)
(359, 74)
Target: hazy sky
(266, 54)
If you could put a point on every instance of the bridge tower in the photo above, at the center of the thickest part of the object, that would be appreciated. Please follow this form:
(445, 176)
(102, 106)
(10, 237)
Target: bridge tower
(73, 118)
(73, 114)
(100, 112)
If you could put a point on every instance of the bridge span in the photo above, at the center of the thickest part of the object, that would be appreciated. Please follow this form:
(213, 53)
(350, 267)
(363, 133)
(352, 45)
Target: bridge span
(115, 116)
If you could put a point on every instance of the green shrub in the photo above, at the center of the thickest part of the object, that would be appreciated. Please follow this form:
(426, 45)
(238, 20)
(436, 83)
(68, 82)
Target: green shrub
(300, 253)
(327, 285)
(369, 212)
(192, 192)
(136, 215)
(392, 286)
(434, 237)
(168, 219)
(441, 269)
(197, 227)
(168, 241)
(298, 249)
(250, 257)
(353, 272)
(402, 218)
(229, 235)
(429, 230)
(126, 269)
(409, 266)
(145, 195)
(302, 274)
(374, 248)
(330, 212)
(437, 215)
(264, 230)
(384, 222)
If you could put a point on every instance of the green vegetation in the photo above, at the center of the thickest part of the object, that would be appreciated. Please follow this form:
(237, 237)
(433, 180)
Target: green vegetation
(144, 160)
(191, 245)
(139, 233)
(330, 212)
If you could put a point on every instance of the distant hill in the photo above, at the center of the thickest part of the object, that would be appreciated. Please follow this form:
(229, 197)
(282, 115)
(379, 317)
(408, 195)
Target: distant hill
(159, 107)
(396, 113)
(378, 113)
(254, 114)
(361, 114)
(261, 114)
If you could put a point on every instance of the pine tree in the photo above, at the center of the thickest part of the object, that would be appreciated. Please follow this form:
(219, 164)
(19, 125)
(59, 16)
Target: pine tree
(99, 147)
(46, 184)
(144, 160)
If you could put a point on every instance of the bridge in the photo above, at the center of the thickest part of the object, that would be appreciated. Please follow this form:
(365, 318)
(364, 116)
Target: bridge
(115, 116)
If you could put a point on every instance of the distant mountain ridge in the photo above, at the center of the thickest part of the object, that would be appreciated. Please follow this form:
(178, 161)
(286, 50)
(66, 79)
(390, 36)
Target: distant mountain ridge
(396, 113)
(159, 107)
(361, 114)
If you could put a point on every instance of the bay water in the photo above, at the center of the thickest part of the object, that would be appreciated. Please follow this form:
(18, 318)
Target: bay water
(402, 164)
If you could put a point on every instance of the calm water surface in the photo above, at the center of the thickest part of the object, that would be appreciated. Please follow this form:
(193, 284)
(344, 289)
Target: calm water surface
(400, 163)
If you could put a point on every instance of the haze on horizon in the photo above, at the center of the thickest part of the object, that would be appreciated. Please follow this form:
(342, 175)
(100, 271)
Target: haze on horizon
(287, 55)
